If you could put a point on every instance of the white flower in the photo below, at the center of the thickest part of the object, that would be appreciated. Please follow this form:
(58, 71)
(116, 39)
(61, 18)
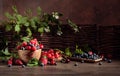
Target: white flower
(55, 15)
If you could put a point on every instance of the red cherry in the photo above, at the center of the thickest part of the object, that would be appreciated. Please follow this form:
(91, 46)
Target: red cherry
(49, 55)
(28, 47)
(52, 57)
(41, 46)
(33, 42)
(33, 48)
(52, 62)
(18, 47)
(51, 51)
(57, 55)
(44, 53)
(24, 44)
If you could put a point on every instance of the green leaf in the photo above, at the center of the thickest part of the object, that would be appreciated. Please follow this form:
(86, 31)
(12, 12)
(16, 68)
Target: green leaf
(27, 39)
(17, 28)
(19, 17)
(29, 32)
(26, 24)
(8, 27)
(39, 10)
(41, 29)
(6, 52)
(15, 9)
(73, 25)
(47, 29)
(33, 23)
(33, 62)
(67, 52)
(9, 16)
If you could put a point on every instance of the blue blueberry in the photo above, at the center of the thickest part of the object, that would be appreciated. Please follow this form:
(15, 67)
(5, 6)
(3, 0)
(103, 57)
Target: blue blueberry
(109, 61)
(76, 64)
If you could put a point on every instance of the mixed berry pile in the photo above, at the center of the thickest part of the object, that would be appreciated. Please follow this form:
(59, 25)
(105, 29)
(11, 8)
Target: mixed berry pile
(32, 45)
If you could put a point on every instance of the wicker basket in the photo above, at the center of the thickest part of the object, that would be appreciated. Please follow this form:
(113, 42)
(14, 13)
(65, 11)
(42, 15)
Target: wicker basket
(23, 55)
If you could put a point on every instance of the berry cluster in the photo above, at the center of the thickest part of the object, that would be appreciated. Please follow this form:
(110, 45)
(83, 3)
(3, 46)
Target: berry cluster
(87, 55)
(49, 57)
(32, 45)
(14, 61)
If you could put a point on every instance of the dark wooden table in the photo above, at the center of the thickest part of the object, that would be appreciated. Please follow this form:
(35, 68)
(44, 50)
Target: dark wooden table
(82, 69)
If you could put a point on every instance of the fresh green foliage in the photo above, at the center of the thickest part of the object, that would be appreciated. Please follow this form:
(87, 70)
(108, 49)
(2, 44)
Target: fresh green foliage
(33, 62)
(73, 25)
(78, 51)
(68, 52)
(86, 48)
(42, 22)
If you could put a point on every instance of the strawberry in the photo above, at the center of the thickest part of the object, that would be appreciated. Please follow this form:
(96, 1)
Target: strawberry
(90, 52)
(9, 62)
(44, 60)
(18, 62)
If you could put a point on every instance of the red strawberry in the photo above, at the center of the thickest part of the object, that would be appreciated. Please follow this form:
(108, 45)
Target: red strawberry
(18, 62)
(44, 60)
(90, 52)
(9, 62)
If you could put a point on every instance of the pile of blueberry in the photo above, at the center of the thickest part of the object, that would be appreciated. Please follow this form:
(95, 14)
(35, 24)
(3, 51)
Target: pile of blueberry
(87, 55)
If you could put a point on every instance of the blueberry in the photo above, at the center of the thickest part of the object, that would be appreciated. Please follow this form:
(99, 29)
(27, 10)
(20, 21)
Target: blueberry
(76, 64)
(109, 61)
(55, 64)
(9, 65)
(100, 63)
(77, 56)
(105, 59)
(63, 61)
(82, 61)
(23, 66)
(73, 55)
(42, 64)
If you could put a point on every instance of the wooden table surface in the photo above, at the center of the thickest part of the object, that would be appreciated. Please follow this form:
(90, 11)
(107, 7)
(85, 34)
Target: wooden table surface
(82, 69)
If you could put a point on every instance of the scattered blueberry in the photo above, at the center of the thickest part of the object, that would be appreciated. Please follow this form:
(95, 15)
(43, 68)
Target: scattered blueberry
(42, 64)
(109, 61)
(9, 65)
(55, 64)
(105, 59)
(100, 63)
(82, 61)
(23, 66)
(76, 64)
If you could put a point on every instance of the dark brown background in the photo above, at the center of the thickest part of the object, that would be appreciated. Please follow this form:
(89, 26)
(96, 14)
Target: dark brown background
(105, 12)
(99, 19)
